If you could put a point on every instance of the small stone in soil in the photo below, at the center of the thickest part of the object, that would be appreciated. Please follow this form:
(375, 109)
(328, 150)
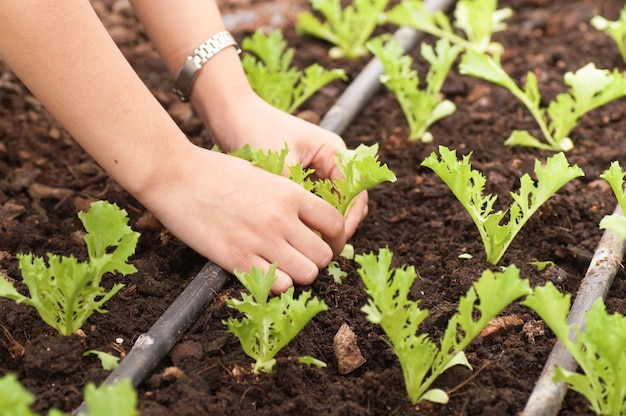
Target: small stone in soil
(347, 351)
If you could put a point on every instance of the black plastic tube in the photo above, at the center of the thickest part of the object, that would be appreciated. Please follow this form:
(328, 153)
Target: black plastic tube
(150, 348)
(547, 396)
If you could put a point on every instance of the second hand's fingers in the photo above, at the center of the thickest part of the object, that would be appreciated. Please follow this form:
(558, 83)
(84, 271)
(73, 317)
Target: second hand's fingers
(282, 282)
(326, 219)
(356, 213)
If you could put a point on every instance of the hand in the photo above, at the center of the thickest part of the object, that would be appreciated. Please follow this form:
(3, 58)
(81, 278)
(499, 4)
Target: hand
(241, 216)
(253, 121)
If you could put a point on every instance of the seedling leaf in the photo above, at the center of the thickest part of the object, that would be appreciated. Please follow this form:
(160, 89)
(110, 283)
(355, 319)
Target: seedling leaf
(421, 108)
(468, 185)
(269, 324)
(360, 168)
(615, 222)
(477, 19)
(267, 63)
(66, 292)
(15, 400)
(422, 361)
(108, 361)
(589, 88)
(348, 29)
(111, 399)
(615, 29)
(600, 353)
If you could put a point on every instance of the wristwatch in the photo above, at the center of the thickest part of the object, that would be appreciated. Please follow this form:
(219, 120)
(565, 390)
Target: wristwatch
(193, 63)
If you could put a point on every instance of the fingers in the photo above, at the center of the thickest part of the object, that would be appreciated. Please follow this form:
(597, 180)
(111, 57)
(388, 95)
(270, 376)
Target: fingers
(299, 258)
(283, 280)
(356, 213)
(326, 219)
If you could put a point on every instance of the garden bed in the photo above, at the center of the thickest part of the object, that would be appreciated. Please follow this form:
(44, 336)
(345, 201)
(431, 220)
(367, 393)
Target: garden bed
(47, 179)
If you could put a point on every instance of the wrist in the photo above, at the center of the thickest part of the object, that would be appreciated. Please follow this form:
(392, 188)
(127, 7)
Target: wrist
(193, 64)
(154, 165)
(220, 93)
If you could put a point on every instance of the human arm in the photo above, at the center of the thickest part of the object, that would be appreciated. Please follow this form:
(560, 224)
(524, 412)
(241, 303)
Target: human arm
(227, 210)
(224, 99)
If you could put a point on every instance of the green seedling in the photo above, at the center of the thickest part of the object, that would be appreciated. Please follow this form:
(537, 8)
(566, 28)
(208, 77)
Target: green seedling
(270, 324)
(421, 107)
(360, 168)
(108, 361)
(615, 29)
(589, 88)
(66, 292)
(468, 186)
(542, 265)
(615, 222)
(477, 20)
(118, 399)
(348, 29)
(334, 269)
(268, 66)
(599, 349)
(421, 359)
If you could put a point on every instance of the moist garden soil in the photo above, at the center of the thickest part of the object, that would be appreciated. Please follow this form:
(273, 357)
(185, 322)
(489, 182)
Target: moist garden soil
(47, 179)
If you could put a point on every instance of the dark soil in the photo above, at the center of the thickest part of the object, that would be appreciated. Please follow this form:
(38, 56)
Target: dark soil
(47, 179)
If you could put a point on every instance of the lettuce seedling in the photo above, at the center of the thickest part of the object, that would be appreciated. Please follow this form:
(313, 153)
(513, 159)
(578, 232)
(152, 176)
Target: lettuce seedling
(118, 399)
(361, 171)
(468, 185)
(360, 168)
(66, 292)
(615, 222)
(615, 29)
(270, 324)
(421, 108)
(477, 19)
(107, 361)
(267, 63)
(269, 160)
(599, 349)
(590, 88)
(421, 359)
(15, 400)
(348, 29)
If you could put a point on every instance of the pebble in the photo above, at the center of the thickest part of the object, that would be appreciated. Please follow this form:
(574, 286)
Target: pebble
(347, 352)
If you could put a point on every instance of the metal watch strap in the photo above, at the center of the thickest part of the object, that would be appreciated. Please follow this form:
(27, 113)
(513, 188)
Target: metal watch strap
(193, 63)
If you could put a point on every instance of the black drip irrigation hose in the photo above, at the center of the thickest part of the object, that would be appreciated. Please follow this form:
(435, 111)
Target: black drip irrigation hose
(150, 348)
(547, 396)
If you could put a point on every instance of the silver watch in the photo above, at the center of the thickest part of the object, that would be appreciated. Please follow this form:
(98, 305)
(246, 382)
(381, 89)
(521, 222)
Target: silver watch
(193, 63)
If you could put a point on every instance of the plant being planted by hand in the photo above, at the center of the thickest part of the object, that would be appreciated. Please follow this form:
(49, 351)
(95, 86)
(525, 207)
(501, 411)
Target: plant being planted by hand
(478, 20)
(270, 324)
(421, 108)
(360, 170)
(66, 292)
(359, 167)
(599, 349)
(421, 359)
(615, 222)
(615, 29)
(468, 185)
(348, 29)
(590, 88)
(268, 68)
